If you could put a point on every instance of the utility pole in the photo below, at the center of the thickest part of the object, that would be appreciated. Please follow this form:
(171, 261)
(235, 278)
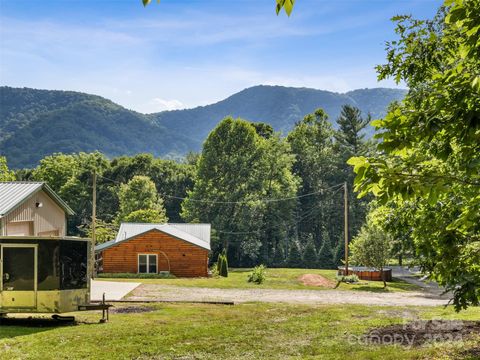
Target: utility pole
(345, 199)
(94, 220)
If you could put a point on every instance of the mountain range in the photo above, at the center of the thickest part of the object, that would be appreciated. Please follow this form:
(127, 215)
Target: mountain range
(35, 123)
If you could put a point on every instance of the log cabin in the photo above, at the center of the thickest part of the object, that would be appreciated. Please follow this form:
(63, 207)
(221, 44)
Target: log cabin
(179, 249)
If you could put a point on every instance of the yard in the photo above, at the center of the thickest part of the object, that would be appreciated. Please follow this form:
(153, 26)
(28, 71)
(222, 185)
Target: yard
(286, 279)
(246, 331)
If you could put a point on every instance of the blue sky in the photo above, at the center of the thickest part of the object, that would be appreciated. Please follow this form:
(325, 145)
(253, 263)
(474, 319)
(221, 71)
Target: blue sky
(184, 53)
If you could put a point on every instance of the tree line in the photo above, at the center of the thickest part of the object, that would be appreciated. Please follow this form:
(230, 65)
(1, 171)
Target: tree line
(274, 200)
(271, 199)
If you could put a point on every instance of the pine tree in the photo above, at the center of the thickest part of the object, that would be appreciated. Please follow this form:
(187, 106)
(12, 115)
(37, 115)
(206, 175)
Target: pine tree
(326, 258)
(223, 270)
(219, 262)
(310, 255)
(294, 257)
(279, 256)
(339, 253)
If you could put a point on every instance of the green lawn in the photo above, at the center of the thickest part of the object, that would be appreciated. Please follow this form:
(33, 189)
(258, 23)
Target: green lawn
(276, 279)
(247, 331)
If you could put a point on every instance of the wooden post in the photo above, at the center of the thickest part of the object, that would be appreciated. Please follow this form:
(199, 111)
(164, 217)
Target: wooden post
(345, 196)
(94, 220)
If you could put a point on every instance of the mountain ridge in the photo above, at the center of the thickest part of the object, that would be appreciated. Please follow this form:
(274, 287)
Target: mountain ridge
(35, 122)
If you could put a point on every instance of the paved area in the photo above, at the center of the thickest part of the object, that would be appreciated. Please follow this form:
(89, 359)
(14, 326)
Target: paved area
(175, 293)
(113, 290)
(407, 275)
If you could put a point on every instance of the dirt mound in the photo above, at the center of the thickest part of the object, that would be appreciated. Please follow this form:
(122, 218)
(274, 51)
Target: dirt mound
(316, 280)
(416, 333)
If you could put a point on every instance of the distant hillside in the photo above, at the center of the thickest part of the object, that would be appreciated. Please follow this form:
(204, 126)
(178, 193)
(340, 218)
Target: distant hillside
(35, 123)
(277, 105)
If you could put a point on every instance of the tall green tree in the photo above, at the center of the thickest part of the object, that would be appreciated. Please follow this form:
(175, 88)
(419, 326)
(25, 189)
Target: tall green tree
(170, 178)
(430, 148)
(5, 173)
(350, 140)
(57, 169)
(315, 164)
(350, 136)
(139, 200)
(237, 171)
(71, 177)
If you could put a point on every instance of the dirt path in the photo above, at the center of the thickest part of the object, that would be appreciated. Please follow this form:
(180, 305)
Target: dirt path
(176, 293)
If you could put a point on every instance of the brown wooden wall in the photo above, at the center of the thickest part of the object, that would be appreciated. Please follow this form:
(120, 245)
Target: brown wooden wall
(373, 275)
(186, 260)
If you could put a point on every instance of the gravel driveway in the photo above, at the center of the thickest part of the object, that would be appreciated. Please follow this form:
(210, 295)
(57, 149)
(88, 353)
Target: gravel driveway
(175, 293)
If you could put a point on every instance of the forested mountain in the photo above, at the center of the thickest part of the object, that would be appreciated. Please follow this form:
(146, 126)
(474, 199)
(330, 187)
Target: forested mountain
(35, 123)
(278, 106)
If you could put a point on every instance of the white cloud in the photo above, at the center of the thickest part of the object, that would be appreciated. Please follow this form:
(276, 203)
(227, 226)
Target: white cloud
(158, 104)
(166, 61)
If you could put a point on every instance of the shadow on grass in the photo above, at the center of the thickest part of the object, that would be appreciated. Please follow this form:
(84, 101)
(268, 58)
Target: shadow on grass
(392, 286)
(11, 327)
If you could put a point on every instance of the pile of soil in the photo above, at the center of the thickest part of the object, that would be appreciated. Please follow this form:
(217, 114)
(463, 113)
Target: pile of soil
(316, 280)
(416, 333)
(132, 309)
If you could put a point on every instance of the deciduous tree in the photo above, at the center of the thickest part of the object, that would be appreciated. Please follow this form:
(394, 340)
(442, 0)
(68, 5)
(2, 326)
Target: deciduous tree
(139, 200)
(429, 152)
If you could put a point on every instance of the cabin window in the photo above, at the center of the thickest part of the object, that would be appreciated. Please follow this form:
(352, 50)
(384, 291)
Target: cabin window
(147, 263)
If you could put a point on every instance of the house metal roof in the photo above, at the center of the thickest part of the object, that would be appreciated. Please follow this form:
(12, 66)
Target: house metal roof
(14, 193)
(196, 234)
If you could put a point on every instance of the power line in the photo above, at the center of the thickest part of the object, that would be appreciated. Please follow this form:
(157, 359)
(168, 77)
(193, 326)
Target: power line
(310, 212)
(267, 200)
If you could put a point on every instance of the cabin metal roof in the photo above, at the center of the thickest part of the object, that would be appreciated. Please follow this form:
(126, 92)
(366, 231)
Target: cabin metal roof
(196, 234)
(15, 193)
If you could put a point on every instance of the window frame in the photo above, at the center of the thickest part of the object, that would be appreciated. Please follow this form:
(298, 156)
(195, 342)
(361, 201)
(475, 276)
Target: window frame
(147, 263)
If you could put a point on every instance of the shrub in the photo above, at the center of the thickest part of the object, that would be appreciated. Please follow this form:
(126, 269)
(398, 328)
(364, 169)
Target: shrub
(224, 267)
(349, 279)
(258, 274)
(214, 270)
(222, 264)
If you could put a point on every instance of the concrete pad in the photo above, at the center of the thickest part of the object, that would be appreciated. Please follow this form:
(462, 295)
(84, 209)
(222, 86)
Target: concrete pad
(113, 290)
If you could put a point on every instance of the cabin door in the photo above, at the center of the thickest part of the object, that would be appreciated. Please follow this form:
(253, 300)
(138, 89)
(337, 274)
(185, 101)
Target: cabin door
(18, 276)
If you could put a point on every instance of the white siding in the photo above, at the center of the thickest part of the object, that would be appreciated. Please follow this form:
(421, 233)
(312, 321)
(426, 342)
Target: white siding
(47, 219)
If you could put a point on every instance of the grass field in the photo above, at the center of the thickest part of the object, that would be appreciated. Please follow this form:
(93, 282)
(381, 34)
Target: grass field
(247, 331)
(276, 279)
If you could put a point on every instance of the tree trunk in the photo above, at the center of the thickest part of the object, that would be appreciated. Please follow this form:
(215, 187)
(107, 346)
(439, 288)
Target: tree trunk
(383, 278)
